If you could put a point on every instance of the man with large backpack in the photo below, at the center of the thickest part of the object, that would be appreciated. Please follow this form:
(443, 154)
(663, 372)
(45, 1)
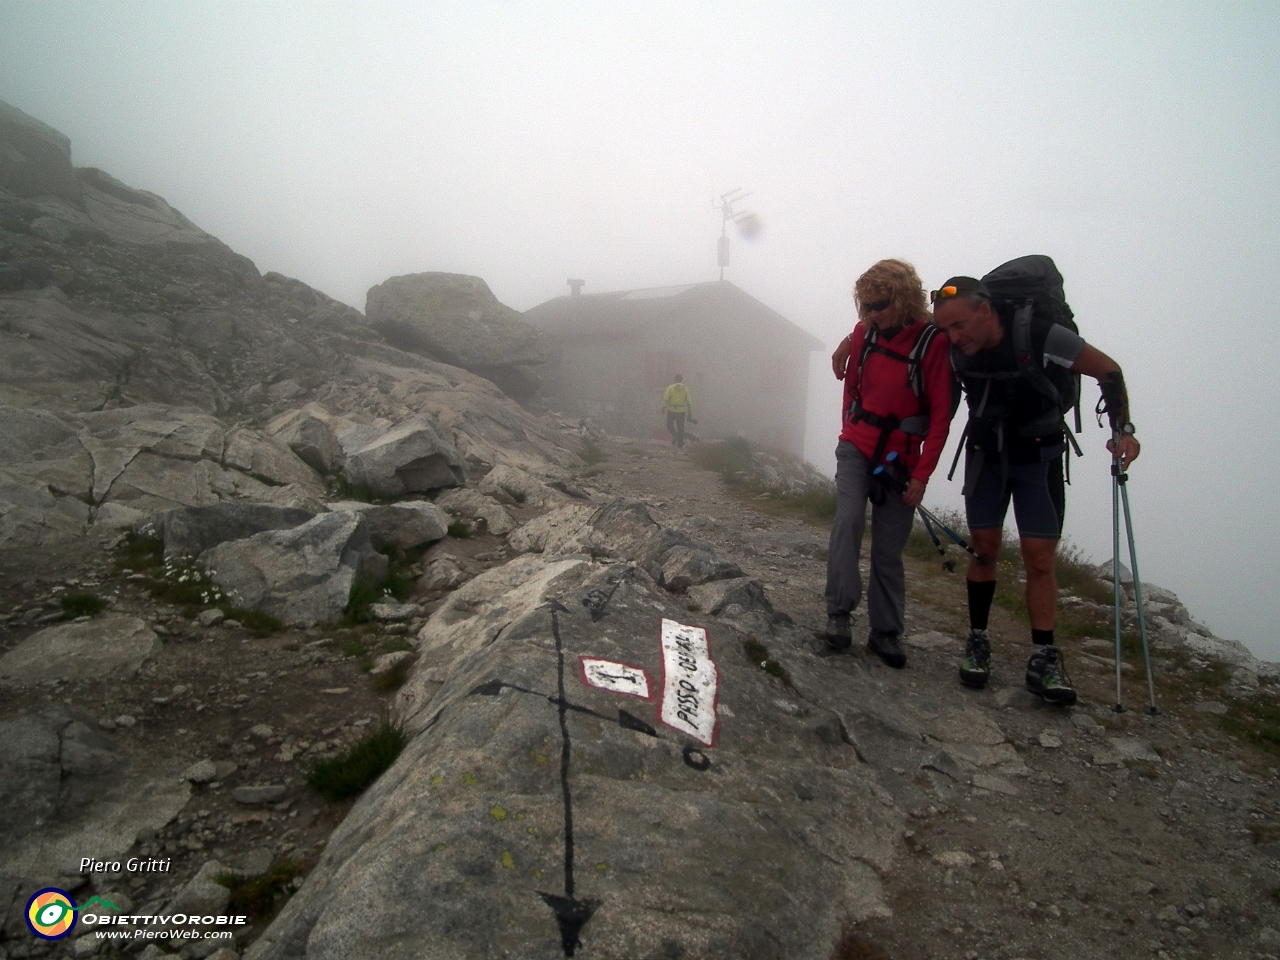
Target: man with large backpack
(1017, 354)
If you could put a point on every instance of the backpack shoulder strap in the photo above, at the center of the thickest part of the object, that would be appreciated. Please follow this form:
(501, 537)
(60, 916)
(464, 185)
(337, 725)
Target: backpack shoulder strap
(1029, 365)
(915, 359)
(868, 341)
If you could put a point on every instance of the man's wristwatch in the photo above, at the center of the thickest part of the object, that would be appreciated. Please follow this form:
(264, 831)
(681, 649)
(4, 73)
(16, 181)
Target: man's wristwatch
(1128, 429)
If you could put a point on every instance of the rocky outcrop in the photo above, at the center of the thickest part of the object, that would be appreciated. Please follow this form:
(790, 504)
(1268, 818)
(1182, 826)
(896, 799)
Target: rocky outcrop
(62, 473)
(110, 649)
(456, 319)
(66, 789)
(521, 486)
(473, 505)
(1171, 624)
(624, 528)
(35, 159)
(406, 525)
(530, 835)
(303, 575)
(410, 457)
(307, 433)
(190, 531)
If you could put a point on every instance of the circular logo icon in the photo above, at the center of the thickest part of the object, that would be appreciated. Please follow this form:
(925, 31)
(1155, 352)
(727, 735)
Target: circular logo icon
(51, 913)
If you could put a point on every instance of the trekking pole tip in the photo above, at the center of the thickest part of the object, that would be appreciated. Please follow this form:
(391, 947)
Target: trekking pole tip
(1153, 711)
(1118, 708)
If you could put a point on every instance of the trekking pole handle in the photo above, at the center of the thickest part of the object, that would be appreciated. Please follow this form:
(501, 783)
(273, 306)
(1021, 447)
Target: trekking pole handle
(1117, 462)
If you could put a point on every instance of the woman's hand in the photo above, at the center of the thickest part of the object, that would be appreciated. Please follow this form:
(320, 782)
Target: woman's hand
(915, 494)
(840, 359)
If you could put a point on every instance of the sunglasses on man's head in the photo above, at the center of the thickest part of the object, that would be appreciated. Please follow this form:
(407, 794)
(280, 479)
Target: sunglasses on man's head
(875, 307)
(943, 294)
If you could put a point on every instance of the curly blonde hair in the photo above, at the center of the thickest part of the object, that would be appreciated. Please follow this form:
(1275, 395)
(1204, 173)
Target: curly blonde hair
(898, 281)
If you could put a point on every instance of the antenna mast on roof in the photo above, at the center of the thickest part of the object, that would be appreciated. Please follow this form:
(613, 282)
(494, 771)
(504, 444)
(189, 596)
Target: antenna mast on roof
(748, 224)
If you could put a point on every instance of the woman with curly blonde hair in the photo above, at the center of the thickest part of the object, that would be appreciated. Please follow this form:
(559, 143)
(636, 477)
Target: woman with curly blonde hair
(897, 400)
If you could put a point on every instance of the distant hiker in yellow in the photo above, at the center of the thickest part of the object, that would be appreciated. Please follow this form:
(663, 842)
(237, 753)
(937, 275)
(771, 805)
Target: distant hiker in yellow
(677, 404)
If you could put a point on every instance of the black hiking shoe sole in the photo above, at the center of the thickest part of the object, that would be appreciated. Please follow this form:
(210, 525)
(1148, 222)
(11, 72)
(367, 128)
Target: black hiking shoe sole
(973, 679)
(1058, 696)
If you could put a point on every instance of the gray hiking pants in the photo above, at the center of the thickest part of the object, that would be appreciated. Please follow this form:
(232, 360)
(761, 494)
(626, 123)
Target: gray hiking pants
(890, 527)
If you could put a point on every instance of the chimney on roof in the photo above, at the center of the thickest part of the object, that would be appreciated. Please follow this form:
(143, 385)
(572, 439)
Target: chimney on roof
(576, 287)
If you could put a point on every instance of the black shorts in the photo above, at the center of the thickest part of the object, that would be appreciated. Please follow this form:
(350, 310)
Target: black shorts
(1038, 494)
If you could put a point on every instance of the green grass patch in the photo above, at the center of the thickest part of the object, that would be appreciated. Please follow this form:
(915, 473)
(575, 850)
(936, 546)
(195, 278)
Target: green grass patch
(725, 457)
(758, 654)
(354, 647)
(1077, 574)
(346, 491)
(460, 530)
(351, 773)
(392, 679)
(591, 453)
(400, 579)
(733, 460)
(81, 605)
(256, 896)
(365, 591)
(140, 554)
(255, 621)
(519, 496)
(185, 584)
(1256, 721)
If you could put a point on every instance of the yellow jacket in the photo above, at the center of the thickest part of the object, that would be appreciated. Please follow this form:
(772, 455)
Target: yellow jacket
(677, 399)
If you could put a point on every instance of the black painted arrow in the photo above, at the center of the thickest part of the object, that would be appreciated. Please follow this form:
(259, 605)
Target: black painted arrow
(571, 913)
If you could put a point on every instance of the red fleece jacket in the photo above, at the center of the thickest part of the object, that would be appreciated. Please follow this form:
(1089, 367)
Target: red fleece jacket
(883, 389)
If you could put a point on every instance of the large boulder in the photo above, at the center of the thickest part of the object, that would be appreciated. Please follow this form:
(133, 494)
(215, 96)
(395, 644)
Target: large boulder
(457, 319)
(307, 433)
(624, 529)
(190, 531)
(108, 648)
(406, 525)
(32, 515)
(520, 485)
(473, 505)
(412, 457)
(303, 575)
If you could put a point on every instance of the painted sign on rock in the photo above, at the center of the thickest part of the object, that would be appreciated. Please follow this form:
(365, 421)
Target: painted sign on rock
(688, 682)
(614, 677)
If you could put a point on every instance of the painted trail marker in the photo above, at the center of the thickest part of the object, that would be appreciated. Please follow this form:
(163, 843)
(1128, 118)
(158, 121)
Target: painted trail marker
(615, 677)
(689, 682)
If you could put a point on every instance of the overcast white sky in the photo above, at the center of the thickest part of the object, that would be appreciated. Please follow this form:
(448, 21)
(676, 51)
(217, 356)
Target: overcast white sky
(1136, 143)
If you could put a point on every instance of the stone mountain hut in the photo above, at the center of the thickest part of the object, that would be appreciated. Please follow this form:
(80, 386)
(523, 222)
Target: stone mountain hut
(611, 356)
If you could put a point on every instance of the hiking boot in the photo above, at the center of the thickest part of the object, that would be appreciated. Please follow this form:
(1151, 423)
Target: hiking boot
(838, 635)
(975, 668)
(1047, 677)
(888, 648)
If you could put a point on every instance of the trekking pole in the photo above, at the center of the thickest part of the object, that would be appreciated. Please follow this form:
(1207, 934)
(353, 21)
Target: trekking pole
(925, 515)
(1115, 571)
(1120, 493)
(960, 541)
(928, 527)
(948, 563)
